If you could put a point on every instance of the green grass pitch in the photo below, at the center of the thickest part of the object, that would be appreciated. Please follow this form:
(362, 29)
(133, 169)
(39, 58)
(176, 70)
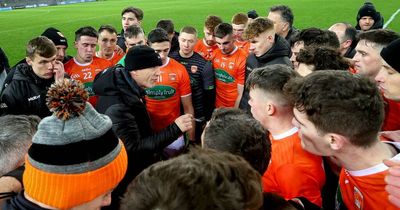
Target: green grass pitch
(19, 26)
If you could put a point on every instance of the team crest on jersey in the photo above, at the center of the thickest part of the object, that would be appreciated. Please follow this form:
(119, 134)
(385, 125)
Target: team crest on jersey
(160, 92)
(358, 198)
(193, 69)
(172, 76)
(223, 76)
(231, 65)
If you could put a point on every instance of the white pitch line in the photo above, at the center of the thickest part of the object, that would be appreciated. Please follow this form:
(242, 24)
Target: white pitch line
(391, 18)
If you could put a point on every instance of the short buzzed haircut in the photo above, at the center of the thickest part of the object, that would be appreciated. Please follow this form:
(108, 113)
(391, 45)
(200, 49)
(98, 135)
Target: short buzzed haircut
(286, 13)
(258, 26)
(41, 46)
(233, 130)
(189, 30)
(240, 18)
(211, 22)
(157, 35)
(201, 179)
(86, 31)
(109, 28)
(133, 31)
(271, 79)
(340, 102)
(16, 132)
(317, 37)
(222, 30)
(167, 25)
(138, 12)
(380, 37)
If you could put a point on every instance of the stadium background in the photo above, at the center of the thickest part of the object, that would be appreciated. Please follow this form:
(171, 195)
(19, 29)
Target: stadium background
(18, 26)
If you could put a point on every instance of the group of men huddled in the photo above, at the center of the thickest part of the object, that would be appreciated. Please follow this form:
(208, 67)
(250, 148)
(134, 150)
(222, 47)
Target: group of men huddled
(286, 118)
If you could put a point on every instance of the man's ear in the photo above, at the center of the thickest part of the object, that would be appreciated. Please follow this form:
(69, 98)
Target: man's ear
(347, 43)
(285, 27)
(28, 61)
(133, 74)
(336, 141)
(270, 109)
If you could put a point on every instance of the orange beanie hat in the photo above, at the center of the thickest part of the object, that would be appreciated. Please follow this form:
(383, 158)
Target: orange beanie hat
(75, 156)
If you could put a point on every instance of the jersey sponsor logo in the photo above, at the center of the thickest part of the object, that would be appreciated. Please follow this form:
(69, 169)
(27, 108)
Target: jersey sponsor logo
(223, 76)
(85, 69)
(160, 92)
(33, 98)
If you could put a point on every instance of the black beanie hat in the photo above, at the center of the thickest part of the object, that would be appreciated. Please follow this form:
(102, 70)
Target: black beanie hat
(252, 14)
(141, 57)
(368, 9)
(56, 36)
(390, 54)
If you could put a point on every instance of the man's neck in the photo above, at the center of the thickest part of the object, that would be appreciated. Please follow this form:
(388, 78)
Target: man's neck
(343, 51)
(205, 43)
(100, 54)
(231, 51)
(357, 158)
(279, 125)
(81, 61)
(184, 55)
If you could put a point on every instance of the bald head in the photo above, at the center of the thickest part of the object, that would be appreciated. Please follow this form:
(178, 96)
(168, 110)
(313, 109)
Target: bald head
(346, 35)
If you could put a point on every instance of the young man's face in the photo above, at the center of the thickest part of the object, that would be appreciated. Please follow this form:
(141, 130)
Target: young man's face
(42, 67)
(279, 25)
(187, 42)
(311, 139)
(135, 41)
(260, 44)
(60, 52)
(388, 80)
(209, 37)
(238, 31)
(367, 59)
(258, 105)
(366, 23)
(146, 78)
(129, 19)
(86, 47)
(225, 44)
(107, 43)
(162, 48)
(295, 51)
